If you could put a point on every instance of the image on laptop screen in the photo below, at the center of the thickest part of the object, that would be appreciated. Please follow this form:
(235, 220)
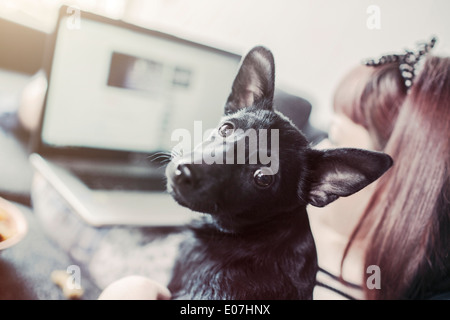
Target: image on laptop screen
(114, 88)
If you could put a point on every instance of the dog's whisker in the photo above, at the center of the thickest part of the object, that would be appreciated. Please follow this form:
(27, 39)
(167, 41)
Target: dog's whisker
(161, 158)
(176, 153)
(155, 154)
(159, 155)
(163, 165)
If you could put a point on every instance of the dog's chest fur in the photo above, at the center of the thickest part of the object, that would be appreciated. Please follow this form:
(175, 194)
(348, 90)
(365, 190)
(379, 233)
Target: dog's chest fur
(270, 263)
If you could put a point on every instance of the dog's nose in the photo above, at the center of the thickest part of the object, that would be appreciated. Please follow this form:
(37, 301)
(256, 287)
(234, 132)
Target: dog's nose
(184, 174)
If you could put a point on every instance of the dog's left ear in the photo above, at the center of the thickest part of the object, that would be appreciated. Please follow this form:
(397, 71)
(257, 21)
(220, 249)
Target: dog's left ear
(341, 172)
(254, 82)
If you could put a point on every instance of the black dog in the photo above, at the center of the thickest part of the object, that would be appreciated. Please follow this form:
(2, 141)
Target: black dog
(255, 241)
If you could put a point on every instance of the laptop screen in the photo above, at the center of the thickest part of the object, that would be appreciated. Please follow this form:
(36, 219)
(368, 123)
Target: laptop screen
(114, 86)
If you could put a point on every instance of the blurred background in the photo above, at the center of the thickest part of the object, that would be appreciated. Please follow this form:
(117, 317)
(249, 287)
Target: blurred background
(314, 42)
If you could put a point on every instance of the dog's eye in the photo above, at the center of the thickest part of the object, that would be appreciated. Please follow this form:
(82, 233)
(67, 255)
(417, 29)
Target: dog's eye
(226, 129)
(263, 177)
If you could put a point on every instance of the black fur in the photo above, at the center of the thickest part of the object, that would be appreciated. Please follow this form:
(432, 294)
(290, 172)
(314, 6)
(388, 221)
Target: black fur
(255, 242)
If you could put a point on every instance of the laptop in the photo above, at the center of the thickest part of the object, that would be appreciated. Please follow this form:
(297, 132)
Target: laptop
(116, 93)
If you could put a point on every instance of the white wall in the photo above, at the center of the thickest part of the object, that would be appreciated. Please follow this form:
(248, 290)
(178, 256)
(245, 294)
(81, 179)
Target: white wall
(314, 41)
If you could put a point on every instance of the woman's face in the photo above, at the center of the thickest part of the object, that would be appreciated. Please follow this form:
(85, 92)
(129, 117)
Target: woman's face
(333, 224)
(344, 133)
(342, 215)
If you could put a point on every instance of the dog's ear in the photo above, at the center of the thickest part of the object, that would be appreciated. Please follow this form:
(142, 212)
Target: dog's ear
(254, 82)
(341, 172)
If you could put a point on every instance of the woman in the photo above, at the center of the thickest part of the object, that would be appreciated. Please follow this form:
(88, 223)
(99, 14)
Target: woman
(393, 238)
